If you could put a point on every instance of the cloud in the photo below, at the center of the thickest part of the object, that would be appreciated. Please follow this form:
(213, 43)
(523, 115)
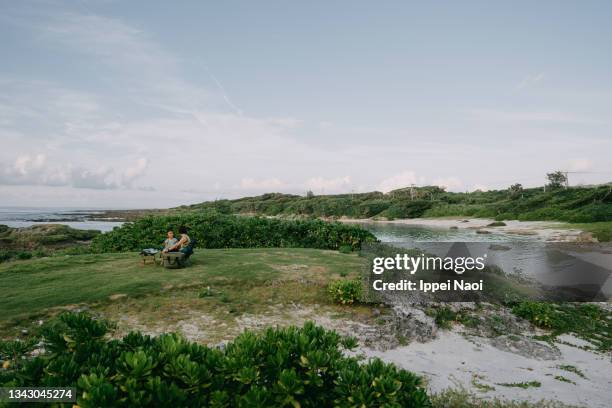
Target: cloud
(132, 173)
(100, 179)
(321, 184)
(400, 180)
(530, 80)
(580, 165)
(268, 185)
(407, 178)
(140, 68)
(449, 183)
(33, 170)
(480, 187)
(38, 170)
(492, 115)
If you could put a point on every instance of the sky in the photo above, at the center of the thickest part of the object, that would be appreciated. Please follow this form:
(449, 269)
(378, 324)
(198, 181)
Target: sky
(140, 104)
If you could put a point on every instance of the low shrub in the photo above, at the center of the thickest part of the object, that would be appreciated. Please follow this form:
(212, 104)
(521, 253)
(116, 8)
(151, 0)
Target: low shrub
(540, 314)
(587, 321)
(444, 317)
(23, 255)
(407, 209)
(293, 367)
(5, 255)
(345, 292)
(345, 249)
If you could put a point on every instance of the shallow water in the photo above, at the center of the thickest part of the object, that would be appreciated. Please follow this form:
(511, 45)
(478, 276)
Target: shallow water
(568, 265)
(20, 217)
(406, 233)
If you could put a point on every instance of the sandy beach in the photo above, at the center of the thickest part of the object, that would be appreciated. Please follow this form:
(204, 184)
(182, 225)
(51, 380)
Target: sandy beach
(481, 366)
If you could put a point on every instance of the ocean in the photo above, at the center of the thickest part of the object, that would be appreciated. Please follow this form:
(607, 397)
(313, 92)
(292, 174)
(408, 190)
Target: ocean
(19, 217)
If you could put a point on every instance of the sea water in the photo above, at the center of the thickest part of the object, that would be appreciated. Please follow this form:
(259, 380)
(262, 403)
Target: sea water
(19, 217)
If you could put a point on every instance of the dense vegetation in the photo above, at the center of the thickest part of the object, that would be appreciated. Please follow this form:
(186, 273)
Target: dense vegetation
(575, 204)
(213, 230)
(293, 367)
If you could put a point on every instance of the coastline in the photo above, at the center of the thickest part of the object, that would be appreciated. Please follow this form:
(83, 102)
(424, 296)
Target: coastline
(550, 231)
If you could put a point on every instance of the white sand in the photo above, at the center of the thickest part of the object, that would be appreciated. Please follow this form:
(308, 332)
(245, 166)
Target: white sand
(453, 360)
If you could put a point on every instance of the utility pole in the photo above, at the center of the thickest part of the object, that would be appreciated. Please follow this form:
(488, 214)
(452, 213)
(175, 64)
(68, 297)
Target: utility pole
(412, 192)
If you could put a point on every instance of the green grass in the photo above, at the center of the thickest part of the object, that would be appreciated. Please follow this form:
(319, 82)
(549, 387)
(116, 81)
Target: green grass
(524, 384)
(600, 230)
(571, 369)
(461, 398)
(564, 379)
(587, 321)
(32, 287)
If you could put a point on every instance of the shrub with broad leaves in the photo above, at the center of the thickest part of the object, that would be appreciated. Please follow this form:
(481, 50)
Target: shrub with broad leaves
(281, 367)
(345, 292)
(213, 230)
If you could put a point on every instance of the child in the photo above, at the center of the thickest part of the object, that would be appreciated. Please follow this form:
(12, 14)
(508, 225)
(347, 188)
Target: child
(170, 242)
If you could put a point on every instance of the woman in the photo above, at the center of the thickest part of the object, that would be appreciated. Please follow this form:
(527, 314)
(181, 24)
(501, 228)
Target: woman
(183, 244)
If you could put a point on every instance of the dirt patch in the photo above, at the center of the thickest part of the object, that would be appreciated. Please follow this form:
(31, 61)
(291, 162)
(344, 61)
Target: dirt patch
(378, 334)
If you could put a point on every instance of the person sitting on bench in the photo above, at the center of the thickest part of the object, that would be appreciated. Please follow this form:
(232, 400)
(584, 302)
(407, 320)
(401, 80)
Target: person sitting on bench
(183, 245)
(169, 242)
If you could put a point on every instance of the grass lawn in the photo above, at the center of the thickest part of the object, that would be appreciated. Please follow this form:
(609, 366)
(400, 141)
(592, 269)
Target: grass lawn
(241, 280)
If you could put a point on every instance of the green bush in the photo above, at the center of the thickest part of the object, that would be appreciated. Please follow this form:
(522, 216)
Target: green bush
(213, 230)
(541, 314)
(587, 321)
(345, 291)
(407, 209)
(23, 255)
(444, 317)
(345, 249)
(293, 367)
(5, 255)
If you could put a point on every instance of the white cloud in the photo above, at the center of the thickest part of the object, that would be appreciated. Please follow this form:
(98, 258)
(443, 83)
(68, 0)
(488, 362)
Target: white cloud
(328, 185)
(531, 80)
(268, 185)
(132, 173)
(400, 180)
(480, 187)
(407, 178)
(38, 170)
(580, 164)
(493, 115)
(33, 170)
(99, 179)
(449, 183)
